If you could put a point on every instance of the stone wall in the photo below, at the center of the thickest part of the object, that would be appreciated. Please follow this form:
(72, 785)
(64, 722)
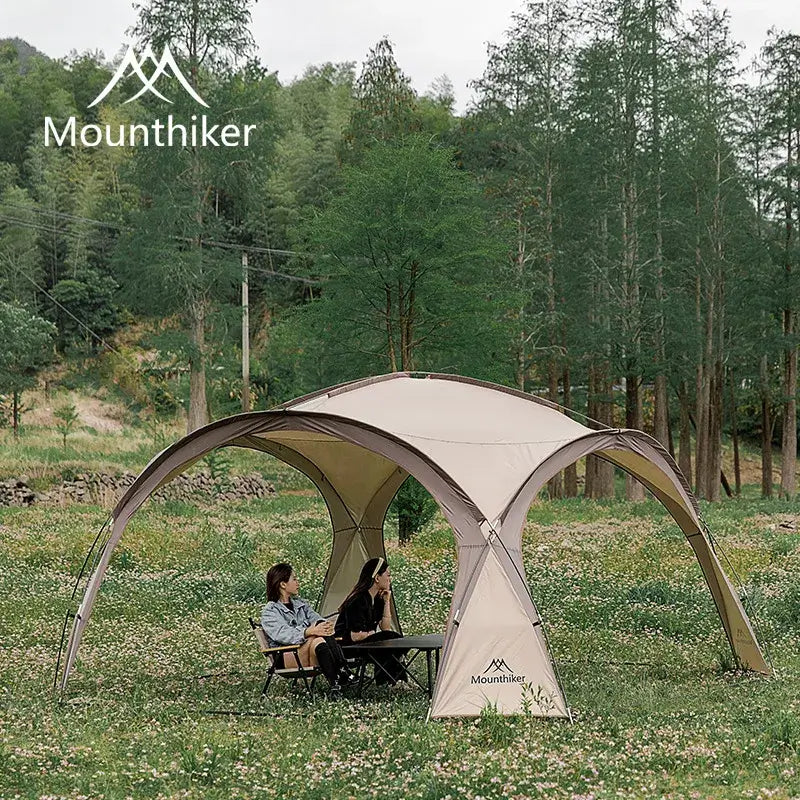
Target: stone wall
(105, 490)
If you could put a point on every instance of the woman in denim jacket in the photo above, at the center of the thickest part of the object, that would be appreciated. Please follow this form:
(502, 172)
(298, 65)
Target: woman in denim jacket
(288, 619)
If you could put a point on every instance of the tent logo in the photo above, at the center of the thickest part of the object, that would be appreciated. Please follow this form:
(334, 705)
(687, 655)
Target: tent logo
(499, 671)
(498, 665)
(166, 64)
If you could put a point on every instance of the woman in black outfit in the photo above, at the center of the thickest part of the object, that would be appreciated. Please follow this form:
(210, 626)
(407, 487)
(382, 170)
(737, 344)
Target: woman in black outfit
(366, 616)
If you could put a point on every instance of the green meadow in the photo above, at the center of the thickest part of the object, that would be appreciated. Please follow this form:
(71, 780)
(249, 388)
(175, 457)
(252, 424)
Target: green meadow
(165, 702)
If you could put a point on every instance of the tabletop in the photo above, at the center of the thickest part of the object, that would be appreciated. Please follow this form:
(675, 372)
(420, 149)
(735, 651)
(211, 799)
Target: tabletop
(428, 641)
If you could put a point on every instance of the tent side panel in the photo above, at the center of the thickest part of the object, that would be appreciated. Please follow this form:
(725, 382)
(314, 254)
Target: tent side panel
(497, 655)
(646, 460)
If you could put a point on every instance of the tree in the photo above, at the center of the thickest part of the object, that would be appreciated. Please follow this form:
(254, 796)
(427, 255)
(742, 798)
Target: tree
(414, 507)
(20, 261)
(185, 188)
(66, 417)
(385, 103)
(86, 307)
(521, 108)
(781, 73)
(712, 174)
(27, 348)
(408, 257)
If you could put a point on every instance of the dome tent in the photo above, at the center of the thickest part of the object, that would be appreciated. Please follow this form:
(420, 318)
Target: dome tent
(483, 452)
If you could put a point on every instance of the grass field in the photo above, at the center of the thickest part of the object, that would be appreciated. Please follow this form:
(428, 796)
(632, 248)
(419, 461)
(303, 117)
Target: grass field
(659, 712)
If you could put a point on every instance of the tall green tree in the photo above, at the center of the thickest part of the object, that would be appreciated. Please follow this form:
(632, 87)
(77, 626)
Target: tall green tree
(184, 188)
(20, 258)
(711, 86)
(27, 348)
(408, 257)
(781, 72)
(521, 118)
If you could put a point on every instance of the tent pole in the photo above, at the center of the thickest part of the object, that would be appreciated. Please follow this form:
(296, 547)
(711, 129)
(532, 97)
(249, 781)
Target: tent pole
(67, 618)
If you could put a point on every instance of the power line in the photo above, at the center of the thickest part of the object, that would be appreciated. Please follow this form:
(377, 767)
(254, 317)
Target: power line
(226, 245)
(67, 311)
(119, 227)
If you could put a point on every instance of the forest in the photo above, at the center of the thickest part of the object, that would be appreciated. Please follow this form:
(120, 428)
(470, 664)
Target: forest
(612, 224)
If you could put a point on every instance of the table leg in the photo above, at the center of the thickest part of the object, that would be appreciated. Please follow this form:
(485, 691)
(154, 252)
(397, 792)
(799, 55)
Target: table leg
(430, 676)
(361, 671)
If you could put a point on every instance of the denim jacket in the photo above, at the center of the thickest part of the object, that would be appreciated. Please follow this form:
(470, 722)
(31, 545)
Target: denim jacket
(287, 626)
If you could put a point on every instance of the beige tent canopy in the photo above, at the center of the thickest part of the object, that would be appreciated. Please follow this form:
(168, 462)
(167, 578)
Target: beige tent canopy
(483, 452)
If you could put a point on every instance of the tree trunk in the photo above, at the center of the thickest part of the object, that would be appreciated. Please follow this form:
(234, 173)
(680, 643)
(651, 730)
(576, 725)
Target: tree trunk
(570, 472)
(715, 433)
(737, 470)
(198, 403)
(405, 527)
(390, 331)
(685, 435)
(767, 429)
(630, 255)
(590, 467)
(555, 486)
(520, 261)
(670, 437)
(660, 399)
(604, 485)
(633, 419)
(703, 467)
(789, 418)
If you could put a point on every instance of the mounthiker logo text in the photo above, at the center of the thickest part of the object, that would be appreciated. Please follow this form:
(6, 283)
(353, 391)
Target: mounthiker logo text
(154, 134)
(500, 673)
(497, 679)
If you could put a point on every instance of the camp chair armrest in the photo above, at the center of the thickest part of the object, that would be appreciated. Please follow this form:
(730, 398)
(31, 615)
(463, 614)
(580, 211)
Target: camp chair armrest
(282, 648)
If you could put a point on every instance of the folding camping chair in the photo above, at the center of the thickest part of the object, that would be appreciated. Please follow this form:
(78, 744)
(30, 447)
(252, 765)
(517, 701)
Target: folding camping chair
(299, 673)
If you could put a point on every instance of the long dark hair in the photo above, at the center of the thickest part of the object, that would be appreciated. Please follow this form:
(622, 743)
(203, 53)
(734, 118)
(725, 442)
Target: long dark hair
(369, 572)
(277, 575)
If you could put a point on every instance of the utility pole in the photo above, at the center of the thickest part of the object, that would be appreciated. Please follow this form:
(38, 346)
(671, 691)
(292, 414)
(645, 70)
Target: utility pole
(245, 338)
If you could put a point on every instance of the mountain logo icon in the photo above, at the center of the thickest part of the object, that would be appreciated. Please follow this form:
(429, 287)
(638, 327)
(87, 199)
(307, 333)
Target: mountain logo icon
(131, 64)
(498, 665)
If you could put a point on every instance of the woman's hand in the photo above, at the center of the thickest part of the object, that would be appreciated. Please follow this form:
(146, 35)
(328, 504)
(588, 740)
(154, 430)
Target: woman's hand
(320, 629)
(385, 595)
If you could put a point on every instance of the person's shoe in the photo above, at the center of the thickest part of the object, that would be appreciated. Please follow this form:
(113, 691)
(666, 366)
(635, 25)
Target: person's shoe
(346, 679)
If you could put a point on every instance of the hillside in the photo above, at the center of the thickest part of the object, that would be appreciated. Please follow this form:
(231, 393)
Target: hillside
(24, 51)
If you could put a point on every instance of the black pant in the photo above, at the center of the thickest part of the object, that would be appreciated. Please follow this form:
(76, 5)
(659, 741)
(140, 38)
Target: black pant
(388, 667)
(331, 658)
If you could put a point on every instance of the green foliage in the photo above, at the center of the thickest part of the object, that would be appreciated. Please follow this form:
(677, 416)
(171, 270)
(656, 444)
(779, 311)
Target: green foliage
(414, 508)
(89, 297)
(219, 466)
(20, 260)
(409, 258)
(385, 102)
(27, 348)
(212, 32)
(66, 417)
